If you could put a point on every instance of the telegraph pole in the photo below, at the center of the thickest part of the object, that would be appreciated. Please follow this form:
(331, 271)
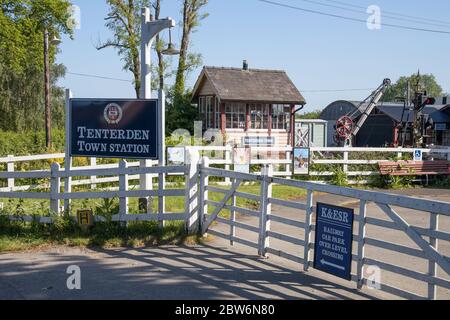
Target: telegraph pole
(48, 114)
(416, 126)
(47, 87)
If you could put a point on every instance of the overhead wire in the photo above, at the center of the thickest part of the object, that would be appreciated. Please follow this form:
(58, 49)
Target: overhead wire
(284, 5)
(386, 14)
(391, 12)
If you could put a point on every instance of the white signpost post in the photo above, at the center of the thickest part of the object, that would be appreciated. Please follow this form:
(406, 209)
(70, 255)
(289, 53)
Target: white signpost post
(149, 29)
(68, 158)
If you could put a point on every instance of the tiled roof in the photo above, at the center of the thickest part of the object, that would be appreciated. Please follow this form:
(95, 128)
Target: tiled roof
(233, 84)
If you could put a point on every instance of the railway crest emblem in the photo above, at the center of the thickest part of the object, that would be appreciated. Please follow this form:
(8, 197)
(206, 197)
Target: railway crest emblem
(113, 113)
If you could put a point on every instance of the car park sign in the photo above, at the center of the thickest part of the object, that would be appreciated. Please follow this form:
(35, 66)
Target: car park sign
(334, 238)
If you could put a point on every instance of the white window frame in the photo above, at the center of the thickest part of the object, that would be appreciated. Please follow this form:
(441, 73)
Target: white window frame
(208, 110)
(259, 111)
(235, 111)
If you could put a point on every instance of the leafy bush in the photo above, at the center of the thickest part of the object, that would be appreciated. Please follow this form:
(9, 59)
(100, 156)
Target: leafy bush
(399, 182)
(30, 142)
(340, 178)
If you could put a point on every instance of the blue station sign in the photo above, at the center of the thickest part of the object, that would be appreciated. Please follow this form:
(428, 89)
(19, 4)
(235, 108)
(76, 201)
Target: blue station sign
(114, 128)
(334, 240)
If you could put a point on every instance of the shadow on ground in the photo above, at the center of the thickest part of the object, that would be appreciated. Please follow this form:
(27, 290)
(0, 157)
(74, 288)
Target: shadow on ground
(170, 272)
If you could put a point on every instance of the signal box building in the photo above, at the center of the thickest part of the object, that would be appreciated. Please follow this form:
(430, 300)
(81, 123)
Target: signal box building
(248, 106)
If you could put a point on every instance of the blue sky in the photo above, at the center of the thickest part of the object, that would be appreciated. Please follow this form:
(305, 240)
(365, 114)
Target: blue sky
(318, 52)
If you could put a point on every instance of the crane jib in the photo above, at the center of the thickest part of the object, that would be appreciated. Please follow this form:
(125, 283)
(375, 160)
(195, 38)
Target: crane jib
(345, 126)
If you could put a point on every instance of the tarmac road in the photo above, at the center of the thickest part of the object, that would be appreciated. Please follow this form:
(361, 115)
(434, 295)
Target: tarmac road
(213, 271)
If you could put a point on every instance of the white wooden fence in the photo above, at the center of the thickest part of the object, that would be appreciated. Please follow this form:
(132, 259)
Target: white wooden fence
(379, 155)
(123, 193)
(279, 157)
(424, 239)
(423, 245)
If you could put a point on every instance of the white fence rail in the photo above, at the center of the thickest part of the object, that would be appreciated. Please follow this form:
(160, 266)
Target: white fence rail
(122, 172)
(424, 240)
(280, 157)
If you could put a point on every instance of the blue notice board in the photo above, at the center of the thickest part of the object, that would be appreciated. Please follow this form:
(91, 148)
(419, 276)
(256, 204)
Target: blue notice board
(334, 240)
(114, 128)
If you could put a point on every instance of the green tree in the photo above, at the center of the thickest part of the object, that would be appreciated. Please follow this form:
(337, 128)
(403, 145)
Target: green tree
(310, 115)
(162, 69)
(426, 81)
(180, 112)
(124, 20)
(188, 61)
(22, 25)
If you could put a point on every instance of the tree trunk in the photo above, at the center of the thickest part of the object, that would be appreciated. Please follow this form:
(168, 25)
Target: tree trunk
(180, 78)
(158, 49)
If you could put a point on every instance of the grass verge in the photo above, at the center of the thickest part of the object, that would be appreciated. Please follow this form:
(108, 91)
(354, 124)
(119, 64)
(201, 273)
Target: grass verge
(23, 236)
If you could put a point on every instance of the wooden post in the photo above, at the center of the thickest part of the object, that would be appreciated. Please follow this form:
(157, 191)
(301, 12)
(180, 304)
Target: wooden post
(203, 194)
(146, 181)
(192, 159)
(247, 118)
(93, 162)
(228, 158)
(432, 266)
(361, 243)
(47, 91)
(10, 168)
(223, 119)
(55, 186)
(346, 161)
(308, 229)
(162, 156)
(123, 187)
(266, 207)
(67, 157)
(288, 166)
(399, 154)
(292, 127)
(270, 121)
(233, 218)
(161, 199)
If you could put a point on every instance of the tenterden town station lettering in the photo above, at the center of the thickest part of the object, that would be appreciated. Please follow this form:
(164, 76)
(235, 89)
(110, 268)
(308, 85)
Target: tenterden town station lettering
(114, 128)
(112, 134)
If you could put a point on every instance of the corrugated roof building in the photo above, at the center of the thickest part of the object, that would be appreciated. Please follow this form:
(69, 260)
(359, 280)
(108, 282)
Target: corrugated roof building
(382, 126)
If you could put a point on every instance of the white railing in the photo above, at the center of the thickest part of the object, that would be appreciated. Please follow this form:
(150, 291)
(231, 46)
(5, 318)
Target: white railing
(424, 237)
(378, 153)
(123, 193)
(11, 160)
(279, 157)
(270, 241)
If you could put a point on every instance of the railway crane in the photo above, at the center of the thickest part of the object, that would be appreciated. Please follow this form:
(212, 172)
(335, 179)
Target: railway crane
(348, 126)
